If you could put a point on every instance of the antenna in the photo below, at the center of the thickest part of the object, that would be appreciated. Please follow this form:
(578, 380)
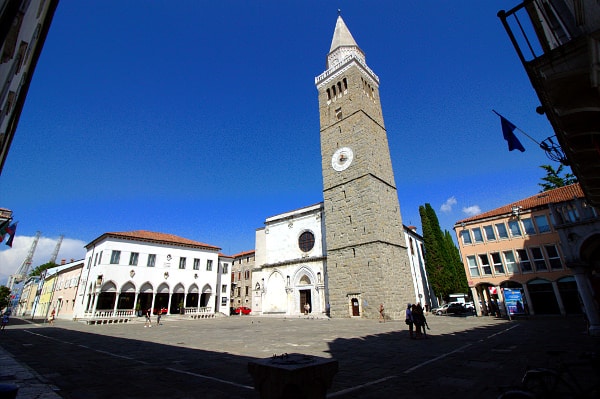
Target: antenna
(55, 253)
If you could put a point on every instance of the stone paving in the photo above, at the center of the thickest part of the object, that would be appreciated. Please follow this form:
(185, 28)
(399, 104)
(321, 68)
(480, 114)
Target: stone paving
(462, 356)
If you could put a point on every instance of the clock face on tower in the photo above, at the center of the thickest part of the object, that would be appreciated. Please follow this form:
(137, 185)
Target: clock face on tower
(342, 158)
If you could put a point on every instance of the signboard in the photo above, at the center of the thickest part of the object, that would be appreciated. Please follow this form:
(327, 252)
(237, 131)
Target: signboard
(514, 301)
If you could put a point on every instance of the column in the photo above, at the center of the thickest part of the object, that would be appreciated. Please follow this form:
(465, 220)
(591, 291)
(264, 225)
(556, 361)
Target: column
(587, 297)
(476, 298)
(530, 310)
(561, 306)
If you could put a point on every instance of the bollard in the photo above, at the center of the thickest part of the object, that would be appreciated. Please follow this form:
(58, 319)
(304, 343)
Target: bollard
(293, 376)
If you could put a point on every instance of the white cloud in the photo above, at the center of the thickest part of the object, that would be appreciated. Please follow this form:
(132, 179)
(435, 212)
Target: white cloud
(11, 259)
(447, 206)
(472, 210)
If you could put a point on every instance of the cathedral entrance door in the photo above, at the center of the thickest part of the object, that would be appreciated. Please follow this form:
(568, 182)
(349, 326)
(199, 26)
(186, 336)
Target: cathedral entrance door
(355, 309)
(304, 299)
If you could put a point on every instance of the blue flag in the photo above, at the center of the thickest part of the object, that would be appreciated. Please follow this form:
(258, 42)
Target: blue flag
(11, 230)
(509, 135)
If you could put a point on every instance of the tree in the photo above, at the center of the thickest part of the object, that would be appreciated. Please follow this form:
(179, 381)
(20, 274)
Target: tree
(4, 296)
(553, 179)
(38, 270)
(442, 260)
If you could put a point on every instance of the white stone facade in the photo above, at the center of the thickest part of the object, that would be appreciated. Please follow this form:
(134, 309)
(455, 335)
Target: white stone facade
(288, 274)
(142, 270)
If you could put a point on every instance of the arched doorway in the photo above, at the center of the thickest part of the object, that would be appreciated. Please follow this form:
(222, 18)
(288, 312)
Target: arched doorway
(145, 297)
(161, 302)
(192, 297)
(127, 296)
(107, 297)
(305, 294)
(177, 299)
(205, 297)
(543, 300)
(567, 287)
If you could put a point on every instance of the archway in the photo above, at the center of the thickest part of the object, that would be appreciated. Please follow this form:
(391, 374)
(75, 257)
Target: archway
(543, 300)
(192, 297)
(177, 299)
(145, 297)
(161, 302)
(127, 296)
(107, 297)
(205, 297)
(567, 287)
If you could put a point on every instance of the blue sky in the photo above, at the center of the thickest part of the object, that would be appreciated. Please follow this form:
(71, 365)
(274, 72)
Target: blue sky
(201, 119)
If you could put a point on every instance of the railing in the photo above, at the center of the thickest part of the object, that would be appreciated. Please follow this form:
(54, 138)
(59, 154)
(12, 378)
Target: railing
(109, 313)
(194, 310)
(551, 28)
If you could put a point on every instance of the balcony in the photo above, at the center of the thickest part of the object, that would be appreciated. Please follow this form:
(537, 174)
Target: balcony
(558, 43)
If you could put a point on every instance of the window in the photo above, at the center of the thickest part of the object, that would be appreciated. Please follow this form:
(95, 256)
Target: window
(114, 257)
(151, 260)
(497, 261)
(133, 258)
(524, 261)
(247, 290)
(224, 288)
(196, 264)
(542, 223)
(477, 235)
(490, 235)
(511, 264)
(100, 258)
(553, 257)
(502, 232)
(89, 262)
(182, 263)
(570, 213)
(306, 241)
(528, 226)
(515, 229)
(538, 258)
(224, 301)
(412, 246)
(246, 274)
(96, 260)
(209, 265)
(466, 237)
(473, 269)
(225, 267)
(485, 264)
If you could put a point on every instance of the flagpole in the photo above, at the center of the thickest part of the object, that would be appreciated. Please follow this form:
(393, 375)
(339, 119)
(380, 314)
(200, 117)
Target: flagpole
(530, 138)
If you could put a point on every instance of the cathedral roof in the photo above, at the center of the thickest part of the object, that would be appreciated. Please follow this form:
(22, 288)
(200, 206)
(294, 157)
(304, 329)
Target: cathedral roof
(341, 35)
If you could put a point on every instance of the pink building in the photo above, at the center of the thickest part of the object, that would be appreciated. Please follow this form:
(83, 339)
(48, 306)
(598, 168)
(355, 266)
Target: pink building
(543, 247)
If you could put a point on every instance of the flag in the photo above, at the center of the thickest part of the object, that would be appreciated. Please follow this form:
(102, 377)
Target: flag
(509, 135)
(3, 227)
(11, 230)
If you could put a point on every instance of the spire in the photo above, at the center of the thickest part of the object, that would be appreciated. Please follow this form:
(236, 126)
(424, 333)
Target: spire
(343, 45)
(341, 35)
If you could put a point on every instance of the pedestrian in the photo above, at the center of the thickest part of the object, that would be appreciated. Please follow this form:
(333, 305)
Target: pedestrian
(158, 318)
(148, 319)
(51, 318)
(409, 320)
(381, 316)
(328, 309)
(419, 320)
(306, 308)
(4, 321)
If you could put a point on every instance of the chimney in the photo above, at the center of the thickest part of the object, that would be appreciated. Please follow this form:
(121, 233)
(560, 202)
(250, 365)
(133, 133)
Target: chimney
(63, 261)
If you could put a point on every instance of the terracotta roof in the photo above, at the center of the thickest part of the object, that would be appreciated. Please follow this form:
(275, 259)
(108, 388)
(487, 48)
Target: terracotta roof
(161, 238)
(560, 194)
(244, 253)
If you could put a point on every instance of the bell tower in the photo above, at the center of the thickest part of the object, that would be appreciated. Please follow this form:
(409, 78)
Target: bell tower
(367, 259)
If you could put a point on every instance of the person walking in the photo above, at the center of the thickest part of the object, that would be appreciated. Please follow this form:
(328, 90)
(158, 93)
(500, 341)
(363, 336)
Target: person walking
(381, 316)
(4, 321)
(148, 322)
(158, 318)
(419, 320)
(51, 318)
(409, 320)
(306, 309)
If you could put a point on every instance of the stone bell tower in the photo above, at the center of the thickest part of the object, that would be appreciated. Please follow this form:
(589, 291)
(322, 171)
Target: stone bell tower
(367, 259)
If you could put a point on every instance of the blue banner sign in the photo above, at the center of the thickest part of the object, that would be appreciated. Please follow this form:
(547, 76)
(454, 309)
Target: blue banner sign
(514, 301)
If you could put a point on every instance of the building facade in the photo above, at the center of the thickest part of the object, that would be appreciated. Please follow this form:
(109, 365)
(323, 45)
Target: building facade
(522, 246)
(241, 279)
(423, 292)
(24, 25)
(135, 271)
(367, 259)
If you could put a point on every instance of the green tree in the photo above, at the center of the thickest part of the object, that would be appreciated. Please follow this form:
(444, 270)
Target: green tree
(4, 296)
(442, 260)
(38, 270)
(553, 178)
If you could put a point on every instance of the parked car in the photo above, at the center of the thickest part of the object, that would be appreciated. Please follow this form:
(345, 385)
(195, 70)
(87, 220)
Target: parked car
(243, 310)
(470, 306)
(450, 308)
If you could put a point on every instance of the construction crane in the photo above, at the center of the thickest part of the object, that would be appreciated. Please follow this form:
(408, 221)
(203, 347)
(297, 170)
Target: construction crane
(55, 253)
(23, 271)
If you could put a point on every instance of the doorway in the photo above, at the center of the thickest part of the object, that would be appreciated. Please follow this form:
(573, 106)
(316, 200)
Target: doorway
(304, 299)
(355, 308)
